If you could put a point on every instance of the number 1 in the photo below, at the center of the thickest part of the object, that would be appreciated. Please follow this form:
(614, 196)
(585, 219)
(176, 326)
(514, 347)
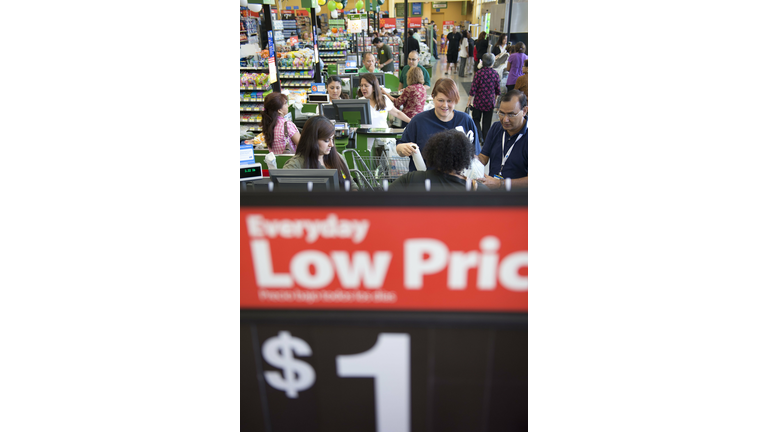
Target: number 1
(388, 362)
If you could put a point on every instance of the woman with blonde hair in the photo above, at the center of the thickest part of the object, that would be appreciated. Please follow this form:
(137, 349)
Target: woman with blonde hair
(414, 96)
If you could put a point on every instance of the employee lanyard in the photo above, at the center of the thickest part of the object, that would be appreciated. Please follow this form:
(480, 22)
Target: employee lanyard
(505, 157)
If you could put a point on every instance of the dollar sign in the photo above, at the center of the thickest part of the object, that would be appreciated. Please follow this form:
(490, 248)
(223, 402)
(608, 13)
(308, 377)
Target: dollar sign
(297, 375)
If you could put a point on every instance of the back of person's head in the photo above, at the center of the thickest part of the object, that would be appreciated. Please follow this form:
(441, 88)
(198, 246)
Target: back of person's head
(519, 47)
(375, 40)
(414, 76)
(272, 104)
(394, 32)
(488, 59)
(481, 37)
(449, 151)
(511, 94)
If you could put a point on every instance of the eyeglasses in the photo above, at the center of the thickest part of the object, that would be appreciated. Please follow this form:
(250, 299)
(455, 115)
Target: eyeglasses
(412, 59)
(510, 115)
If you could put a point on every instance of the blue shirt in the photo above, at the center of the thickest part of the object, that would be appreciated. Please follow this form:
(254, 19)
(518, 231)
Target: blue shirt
(426, 124)
(517, 163)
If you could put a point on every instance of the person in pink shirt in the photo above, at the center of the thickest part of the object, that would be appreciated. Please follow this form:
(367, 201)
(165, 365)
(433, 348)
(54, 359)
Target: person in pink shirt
(414, 96)
(280, 135)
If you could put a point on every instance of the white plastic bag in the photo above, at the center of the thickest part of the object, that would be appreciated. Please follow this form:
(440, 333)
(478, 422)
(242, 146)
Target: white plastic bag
(475, 171)
(270, 160)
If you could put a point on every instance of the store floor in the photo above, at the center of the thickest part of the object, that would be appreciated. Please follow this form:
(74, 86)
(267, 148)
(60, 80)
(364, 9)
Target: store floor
(439, 69)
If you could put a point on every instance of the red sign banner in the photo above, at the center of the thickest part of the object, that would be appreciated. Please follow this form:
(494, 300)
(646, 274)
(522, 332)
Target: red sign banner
(383, 258)
(388, 23)
(414, 22)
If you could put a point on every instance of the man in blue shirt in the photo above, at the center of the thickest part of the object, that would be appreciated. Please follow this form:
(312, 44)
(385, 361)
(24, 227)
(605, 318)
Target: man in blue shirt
(445, 94)
(506, 146)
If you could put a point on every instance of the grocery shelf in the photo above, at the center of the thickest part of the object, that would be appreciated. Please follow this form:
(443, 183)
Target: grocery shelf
(267, 87)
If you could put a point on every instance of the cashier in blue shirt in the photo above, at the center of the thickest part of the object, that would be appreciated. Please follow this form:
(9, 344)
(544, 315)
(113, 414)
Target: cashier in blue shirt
(506, 146)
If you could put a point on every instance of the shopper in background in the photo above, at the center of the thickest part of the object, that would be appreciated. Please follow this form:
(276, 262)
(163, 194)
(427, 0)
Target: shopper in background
(507, 145)
(522, 81)
(481, 47)
(386, 60)
(442, 44)
(369, 64)
(470, 54)
(447, 154)
(399, 43)
(500, 46)
(482, 95)
(317, 151)
(454, 39)
(463, 53)
(412, 44)
(280, 135)
(445, 94)
(380, 105)
(334, 88)
(515, 64)
(433, 37)
(414, 96)
(413, 61)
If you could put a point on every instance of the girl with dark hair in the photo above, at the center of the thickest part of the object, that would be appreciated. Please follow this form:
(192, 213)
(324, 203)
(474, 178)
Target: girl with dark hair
(316, 150)
(515, 64)
(380, 105)
(334, 88)
(446, 154)
(500, 46)
(280, 135)
(481, 47)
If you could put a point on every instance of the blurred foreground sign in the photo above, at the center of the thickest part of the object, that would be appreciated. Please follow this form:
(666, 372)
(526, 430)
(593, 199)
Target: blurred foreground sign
(384, 258)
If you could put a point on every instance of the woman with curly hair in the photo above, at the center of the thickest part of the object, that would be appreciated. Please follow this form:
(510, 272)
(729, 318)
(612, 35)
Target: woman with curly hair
(447, 154)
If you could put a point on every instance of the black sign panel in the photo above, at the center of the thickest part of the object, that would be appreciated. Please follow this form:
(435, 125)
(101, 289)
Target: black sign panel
(384, 375)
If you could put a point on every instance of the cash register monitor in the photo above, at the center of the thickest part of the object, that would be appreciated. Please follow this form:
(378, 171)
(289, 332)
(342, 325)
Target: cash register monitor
(354, 111)
(355, 83)
(328, 111)
(297, 179)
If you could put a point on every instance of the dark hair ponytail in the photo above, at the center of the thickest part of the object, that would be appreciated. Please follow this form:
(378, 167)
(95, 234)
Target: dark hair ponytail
(272, 103)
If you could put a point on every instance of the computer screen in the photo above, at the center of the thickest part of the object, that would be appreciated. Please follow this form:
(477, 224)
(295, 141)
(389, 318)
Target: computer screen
(297, 179)
(328, 111)
(354, 111)
(356, 80)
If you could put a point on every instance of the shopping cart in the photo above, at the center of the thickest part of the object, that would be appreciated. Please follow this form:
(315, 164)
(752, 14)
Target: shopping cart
(371, 171)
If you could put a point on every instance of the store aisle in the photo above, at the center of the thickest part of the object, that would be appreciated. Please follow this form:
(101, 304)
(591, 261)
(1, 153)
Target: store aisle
(439, 69)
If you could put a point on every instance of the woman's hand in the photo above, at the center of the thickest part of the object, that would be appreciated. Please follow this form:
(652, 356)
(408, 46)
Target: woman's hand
(406, 149)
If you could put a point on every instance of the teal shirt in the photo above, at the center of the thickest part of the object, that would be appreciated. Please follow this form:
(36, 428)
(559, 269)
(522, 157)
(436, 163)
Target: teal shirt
(404, 76)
